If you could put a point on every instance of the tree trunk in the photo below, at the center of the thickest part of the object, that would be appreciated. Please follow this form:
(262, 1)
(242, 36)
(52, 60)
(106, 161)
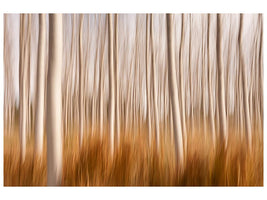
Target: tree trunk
(182, 96)
(27, 64)
(111, 84)
(101, 80)
(53, 120)
(244, 87)
(147, 82)
(81, 88)
(261, 72)
(156, 115)
(179, 150)
(210, 87)
(116, 59)
(221, 92)
(22, 90)
(39, 110)
(94, 103)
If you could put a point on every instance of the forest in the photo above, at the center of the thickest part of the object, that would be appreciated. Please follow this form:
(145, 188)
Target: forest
(133, 99)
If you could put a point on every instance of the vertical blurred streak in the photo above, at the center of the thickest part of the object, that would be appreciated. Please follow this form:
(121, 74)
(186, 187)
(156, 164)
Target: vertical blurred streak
(255, 117)
(155, 103)
(221, 92)
(191, 75)
(77, 77)
(39, 110)
(140, 64)
(147, 81)
(261, 72)
(116, 60)
(204, 68)
(244, 87)
(181, 77)
(28, 66)
(135, 81)
(241, 96)
(253, 93)
(94, 102)
(227, 67)
(178, 138)
(71, 81)
(85, 86)
(111, 83)
(22, 96)
(6, 81)
(166, 104)
(9, 85)
(101, 77)
(53, 120)
(81, 88)
(29, 76)
(210, 89)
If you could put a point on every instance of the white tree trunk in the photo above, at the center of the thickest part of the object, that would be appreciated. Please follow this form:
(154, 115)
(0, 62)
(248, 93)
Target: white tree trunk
(111, 84)
(210, 88)
(155, 96)
(81, 87)
(245, 89)
(39, 110)
(182, 96)
(22, 91)
(53, 119)
(178, 138)
(116, 59)
(101, 80)
(27, 64)
(147, 82)
(221, 92)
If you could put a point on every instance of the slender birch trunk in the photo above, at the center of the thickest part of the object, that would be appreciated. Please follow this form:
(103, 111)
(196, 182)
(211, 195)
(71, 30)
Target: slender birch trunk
(221, 92)
(28, 66)
(39, 110)
(244, 87)
(94, 103)
(178, 138)
(111, 84)
(181, 76)
(261, 70)
(22, 90)
(116, 59)
(156, 115)
(53, 120)
(101, 83)
(210, 87)
(148, 81)
(81, 88)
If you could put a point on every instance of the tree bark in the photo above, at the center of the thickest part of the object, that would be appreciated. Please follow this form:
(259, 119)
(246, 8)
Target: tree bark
(181, 76)
(147, 81)
(101, 80)
(111, 84)
(81, 87)
(221, 92)
(245, 89)
(178, 138)
(116, 59)
(39, 110)
(53, 120)
(156, 115)
(22, 90)
(210, 87)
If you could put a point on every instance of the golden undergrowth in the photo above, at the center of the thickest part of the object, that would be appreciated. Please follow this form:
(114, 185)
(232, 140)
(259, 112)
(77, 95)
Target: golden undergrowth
(134, 164)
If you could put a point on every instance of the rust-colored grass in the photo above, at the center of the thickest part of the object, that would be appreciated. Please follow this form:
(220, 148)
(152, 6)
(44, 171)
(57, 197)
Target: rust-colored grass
(134, 164)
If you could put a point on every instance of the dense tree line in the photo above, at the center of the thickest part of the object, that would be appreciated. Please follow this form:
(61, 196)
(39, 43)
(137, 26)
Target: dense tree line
(116, 74)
